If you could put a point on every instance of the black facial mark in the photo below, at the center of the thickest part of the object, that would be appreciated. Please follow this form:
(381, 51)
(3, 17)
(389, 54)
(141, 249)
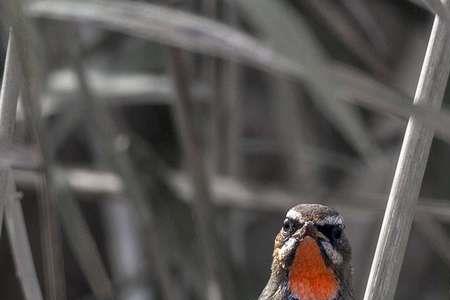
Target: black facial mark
(336, 232)
(333, 232)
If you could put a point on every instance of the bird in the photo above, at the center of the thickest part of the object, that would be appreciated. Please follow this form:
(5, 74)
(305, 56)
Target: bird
(311, 258)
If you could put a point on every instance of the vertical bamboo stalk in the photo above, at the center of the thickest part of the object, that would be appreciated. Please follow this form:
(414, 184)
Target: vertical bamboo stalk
(410, 169)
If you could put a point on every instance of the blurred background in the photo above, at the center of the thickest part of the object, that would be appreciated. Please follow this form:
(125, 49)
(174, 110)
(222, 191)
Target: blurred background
(164, 141)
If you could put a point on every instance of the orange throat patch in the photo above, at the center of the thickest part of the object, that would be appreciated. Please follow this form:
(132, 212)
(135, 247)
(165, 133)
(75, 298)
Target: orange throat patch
(309, 277)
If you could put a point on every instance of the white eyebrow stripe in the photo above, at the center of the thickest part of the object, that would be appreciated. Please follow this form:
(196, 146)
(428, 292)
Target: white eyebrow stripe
(330, 220)
(292, 214)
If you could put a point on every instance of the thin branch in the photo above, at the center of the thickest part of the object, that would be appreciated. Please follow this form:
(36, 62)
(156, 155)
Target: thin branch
(408, 177)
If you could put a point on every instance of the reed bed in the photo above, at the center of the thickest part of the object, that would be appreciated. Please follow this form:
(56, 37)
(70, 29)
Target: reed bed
(150, 149)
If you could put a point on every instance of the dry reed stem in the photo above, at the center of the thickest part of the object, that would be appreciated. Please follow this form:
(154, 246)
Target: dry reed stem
(179, 29)
(82, 242)
(27, 53)
(363, 15)
(408, 177)
(231, 193)
(203, 207)
(11, 206)
(232, 79)
(335, 19)
(110, 153)
(9, 96)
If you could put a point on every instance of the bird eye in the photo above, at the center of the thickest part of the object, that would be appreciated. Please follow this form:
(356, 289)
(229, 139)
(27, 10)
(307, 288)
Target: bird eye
(288, 225)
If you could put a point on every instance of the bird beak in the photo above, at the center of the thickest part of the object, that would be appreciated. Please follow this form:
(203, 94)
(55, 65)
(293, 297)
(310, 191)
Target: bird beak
(309, 229)
(289, 246)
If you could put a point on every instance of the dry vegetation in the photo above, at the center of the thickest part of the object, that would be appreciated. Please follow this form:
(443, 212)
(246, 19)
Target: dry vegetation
(156, 145)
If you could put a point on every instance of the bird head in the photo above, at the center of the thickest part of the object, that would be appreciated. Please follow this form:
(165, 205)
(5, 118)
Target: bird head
(311, 258)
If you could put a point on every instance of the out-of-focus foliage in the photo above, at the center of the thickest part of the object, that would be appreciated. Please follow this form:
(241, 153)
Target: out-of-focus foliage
(265, 105)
